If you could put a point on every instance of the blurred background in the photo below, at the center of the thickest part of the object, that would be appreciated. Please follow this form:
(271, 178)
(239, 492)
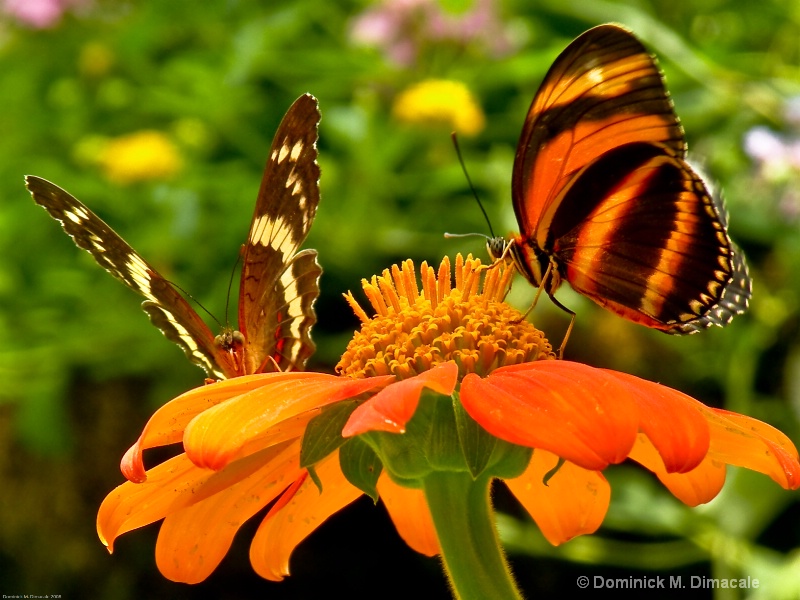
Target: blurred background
(159, 117)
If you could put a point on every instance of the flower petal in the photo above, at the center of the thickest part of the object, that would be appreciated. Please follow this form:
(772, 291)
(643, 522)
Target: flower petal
(573, 502)
(410, 514)
(747, 442)
(171, 486)
(581, 414)
(282, 530)
(193, 541)
(671, 420)
(391, 408)
(698, 486)
(224, 432)
(168, 423)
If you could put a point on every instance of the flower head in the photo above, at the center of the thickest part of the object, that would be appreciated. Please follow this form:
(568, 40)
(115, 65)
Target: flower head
(38, 14)
(140, 156)
(440, 101)
(442, 390)
(401, 27)
(776, 160)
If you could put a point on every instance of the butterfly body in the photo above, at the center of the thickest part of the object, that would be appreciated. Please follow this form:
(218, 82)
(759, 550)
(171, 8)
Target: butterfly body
(278, 284)
(606, 201)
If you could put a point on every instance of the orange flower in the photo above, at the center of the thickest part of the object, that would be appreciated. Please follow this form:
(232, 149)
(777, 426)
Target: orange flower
(312, 443)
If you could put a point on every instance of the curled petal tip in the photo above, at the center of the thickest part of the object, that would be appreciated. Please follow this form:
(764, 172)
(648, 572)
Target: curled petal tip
(132, 465)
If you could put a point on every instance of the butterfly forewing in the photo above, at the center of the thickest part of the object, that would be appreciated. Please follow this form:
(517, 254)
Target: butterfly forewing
(605, 199)
(278, 285)
(166, 307)
(604, 90)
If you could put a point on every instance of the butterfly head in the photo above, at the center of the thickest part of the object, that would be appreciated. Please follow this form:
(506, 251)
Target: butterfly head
(534, 264)
(230, 340)
(498, 248)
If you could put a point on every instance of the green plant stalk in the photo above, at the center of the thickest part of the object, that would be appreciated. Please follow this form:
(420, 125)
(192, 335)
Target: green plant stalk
(473, 557)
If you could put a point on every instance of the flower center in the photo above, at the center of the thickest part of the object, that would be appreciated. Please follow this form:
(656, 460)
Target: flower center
(469, 323)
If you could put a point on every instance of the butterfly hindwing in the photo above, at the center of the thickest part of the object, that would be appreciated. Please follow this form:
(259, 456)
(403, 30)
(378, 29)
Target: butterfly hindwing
(606, 200)
(167, 308)
(652, 248)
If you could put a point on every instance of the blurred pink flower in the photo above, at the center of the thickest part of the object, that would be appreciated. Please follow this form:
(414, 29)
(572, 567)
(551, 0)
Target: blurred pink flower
(400, 27)
(774, 153)
(776, 157)
(39, 14)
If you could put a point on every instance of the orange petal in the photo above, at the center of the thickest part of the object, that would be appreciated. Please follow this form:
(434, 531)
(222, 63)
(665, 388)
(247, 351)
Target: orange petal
(698, 486)
(581, 414)
(172, 486)
(573, 502)
(193, 541)
(281, 531)
(410, 514)
(220, 434)
(168, 423)
(747, 442)
(672, 420)
(391, 408)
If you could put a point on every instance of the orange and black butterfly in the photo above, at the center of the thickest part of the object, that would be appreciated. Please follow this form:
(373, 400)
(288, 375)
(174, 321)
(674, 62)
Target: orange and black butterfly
(605, 199)
(278, 284)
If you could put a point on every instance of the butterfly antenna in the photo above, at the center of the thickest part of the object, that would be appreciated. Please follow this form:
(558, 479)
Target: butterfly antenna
(230, 287)
(454, 137)
(193, 299)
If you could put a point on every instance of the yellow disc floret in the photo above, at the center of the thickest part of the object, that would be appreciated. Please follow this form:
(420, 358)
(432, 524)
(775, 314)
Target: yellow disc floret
(468, 323)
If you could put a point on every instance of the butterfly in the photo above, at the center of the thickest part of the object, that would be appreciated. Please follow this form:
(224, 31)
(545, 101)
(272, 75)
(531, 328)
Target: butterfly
(606, 201)
(278, 284)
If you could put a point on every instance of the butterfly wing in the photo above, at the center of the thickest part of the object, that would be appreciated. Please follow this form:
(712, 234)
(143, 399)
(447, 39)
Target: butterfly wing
(279, 285)
(604, 90)
(166, 307)
(601, 187)
(639, 233)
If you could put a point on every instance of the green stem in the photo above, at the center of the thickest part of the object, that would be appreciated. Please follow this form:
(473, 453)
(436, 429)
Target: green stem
(463, 518)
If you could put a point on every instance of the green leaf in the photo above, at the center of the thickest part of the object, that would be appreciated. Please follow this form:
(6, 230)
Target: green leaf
(312, 472)
(509, 460)
(477, 444)
(324, 433)
(444, 450)
(553, 471)
(361, 466)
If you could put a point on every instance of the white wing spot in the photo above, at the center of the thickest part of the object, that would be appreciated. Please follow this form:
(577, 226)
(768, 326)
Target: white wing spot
(77, 215)
(265, 231)
(295, 305)
(297, 149)
(138, 271)
(284, 152)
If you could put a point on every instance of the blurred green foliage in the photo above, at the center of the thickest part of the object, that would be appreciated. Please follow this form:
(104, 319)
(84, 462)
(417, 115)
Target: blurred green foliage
(82, 368)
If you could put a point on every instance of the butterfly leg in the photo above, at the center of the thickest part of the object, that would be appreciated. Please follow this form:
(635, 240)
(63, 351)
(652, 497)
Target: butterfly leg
(548, 285)
(571, 313)
(545, 282)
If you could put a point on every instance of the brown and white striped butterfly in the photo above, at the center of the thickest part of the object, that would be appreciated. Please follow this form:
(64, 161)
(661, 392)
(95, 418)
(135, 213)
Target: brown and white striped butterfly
(278, 284)
(605, 199)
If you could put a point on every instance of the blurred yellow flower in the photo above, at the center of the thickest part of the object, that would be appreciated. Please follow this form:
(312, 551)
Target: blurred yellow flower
(140, 156)
(95, 59)
(440, 101)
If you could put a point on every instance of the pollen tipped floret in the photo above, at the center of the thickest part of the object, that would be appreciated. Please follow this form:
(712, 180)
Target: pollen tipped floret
(414, 330)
